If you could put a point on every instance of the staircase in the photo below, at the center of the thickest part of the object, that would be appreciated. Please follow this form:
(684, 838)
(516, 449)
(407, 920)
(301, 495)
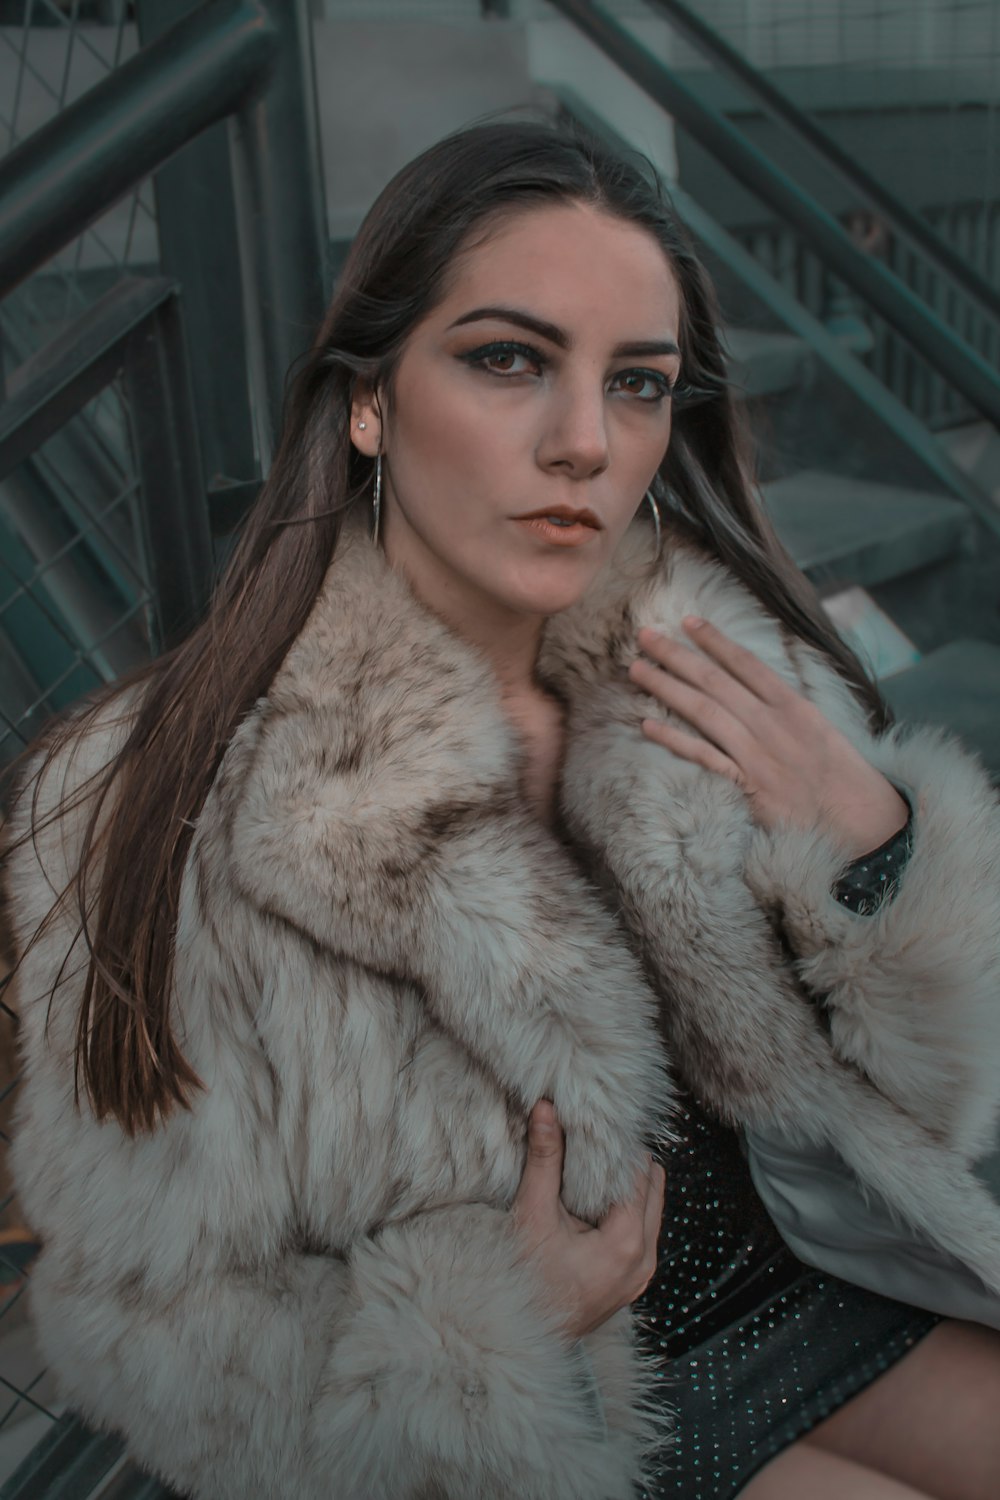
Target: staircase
(902, 545)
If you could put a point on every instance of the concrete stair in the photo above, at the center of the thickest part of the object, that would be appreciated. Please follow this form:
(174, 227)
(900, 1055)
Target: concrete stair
(763, 363)
(958, 686)
(842, 530)
(845, 531)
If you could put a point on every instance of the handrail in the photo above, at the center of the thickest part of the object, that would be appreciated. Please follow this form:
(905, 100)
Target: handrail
(228, 57)
(133, 331)
(780, 107)
(70, 170)
(968, 372)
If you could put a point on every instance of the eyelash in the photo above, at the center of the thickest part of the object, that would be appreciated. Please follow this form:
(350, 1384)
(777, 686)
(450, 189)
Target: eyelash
(477, 358)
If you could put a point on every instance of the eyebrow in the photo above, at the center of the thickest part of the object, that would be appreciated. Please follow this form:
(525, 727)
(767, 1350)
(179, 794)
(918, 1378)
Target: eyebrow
(555, 335)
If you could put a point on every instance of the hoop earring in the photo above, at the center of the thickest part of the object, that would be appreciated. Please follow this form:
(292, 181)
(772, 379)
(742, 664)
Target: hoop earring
(377, 499)
(656, 520)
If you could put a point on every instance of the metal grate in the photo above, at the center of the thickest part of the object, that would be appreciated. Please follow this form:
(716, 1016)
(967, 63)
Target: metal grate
(74, 608)
(50, 54)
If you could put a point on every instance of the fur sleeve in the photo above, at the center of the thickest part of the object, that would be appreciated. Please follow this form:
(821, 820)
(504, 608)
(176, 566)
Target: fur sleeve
(390, 1371)
(912, 992)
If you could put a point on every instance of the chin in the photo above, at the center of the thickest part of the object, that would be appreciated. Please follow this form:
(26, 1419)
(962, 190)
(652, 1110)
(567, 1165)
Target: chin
(549, 596)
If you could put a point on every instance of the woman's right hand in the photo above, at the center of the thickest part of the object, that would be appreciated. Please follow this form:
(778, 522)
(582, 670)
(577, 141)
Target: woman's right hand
(590, 1272)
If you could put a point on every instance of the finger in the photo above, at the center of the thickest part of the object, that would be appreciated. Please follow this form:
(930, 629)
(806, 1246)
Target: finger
(682, 662)
(653, 1216)
(709, 716)
(652, 1222)
(691, 747)
(620, 1217)
(541, 1180)
(747, 667)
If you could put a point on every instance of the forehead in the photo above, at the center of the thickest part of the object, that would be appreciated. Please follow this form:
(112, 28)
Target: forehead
(591, 273)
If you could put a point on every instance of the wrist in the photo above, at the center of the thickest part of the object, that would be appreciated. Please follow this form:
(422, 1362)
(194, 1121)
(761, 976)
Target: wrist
(872, 835)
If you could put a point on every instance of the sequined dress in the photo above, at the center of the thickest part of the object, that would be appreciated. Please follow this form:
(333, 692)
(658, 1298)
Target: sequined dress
(757, 1348)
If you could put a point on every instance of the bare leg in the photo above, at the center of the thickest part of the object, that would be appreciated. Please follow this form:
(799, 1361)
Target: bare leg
(810, 1473)
(932, 1420)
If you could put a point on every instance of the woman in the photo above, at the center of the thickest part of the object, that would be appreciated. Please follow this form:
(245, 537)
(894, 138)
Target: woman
(408, 848)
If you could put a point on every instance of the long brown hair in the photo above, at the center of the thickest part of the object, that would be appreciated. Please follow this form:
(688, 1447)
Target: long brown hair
(134, 846)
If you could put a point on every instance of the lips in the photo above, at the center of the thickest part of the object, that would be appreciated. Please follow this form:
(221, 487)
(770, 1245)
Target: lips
(564, 513)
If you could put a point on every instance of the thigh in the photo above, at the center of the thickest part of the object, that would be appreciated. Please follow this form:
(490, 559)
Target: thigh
(802, 1471)
(931, 1420)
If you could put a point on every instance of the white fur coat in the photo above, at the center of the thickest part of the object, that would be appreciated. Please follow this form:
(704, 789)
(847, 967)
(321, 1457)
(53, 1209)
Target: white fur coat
(308, 1288)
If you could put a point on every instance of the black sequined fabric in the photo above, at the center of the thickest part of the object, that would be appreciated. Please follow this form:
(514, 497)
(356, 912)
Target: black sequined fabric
(756, 1348)
(871, 880)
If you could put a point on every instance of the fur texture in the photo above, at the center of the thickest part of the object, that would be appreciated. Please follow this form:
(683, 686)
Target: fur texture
(308, 1286)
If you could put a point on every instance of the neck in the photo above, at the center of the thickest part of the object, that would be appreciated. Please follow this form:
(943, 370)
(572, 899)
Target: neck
(508, 638)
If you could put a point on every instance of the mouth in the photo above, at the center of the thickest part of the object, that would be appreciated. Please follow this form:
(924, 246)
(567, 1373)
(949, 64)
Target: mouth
(564, 515)
(556, 529)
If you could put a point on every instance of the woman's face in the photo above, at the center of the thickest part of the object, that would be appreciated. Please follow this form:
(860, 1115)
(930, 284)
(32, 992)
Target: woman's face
(540, 380)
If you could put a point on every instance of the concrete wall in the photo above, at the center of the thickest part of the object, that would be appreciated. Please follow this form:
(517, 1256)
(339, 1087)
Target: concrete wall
(388, 91)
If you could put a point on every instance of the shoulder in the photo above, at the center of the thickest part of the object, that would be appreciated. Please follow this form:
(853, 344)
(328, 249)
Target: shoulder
(54, 799)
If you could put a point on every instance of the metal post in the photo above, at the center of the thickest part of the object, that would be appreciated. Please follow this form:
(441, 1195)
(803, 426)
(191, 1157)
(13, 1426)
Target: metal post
(199, 248)
(280, 205)
(174, 517)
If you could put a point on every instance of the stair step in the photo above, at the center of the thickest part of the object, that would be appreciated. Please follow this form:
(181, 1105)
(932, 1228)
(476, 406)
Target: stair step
(957, 685)
(763, 364)
(847, 530)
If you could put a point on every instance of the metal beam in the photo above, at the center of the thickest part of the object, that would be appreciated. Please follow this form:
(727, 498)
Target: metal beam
(790, 312)
(69, 171)
(280, 205)
(176, 541)
(134, 329)
(69, 371)
(199, 248)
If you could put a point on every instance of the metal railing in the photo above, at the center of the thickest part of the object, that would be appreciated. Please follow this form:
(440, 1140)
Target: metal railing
(783, 304)
(88, 589)
(896, 303)
(975, 226)
(910, 227)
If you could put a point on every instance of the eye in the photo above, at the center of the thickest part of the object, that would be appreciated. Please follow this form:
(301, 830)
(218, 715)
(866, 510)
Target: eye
(637, 379)
(500, 358)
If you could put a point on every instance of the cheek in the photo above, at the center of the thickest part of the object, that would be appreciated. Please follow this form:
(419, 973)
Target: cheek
(447, 441)
(642, 442)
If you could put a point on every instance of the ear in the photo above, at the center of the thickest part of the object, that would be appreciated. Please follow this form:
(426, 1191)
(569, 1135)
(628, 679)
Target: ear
(365, 408)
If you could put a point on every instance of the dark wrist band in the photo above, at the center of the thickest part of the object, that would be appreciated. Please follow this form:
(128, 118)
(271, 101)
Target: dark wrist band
(871, 880)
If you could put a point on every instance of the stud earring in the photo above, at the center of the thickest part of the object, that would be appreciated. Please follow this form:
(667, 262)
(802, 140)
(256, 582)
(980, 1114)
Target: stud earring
(362, 424)
(656, 519)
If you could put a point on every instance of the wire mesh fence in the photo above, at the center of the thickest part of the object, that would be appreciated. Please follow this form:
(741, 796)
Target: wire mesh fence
(75, 606)
(75, 612)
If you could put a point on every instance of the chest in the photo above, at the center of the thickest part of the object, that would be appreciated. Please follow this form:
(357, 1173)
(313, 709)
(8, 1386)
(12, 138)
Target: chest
(542, 731)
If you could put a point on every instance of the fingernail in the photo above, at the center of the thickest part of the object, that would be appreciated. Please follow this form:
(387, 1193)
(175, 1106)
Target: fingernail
(693, 622)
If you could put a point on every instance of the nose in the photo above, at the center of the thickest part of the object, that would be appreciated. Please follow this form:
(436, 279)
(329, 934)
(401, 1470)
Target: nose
(575, 439)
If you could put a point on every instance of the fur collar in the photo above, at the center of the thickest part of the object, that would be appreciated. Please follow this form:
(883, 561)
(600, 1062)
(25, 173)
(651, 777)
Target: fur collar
(642, 912)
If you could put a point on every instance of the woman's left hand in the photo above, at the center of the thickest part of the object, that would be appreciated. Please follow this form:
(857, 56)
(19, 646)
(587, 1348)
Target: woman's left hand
(772, 742)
